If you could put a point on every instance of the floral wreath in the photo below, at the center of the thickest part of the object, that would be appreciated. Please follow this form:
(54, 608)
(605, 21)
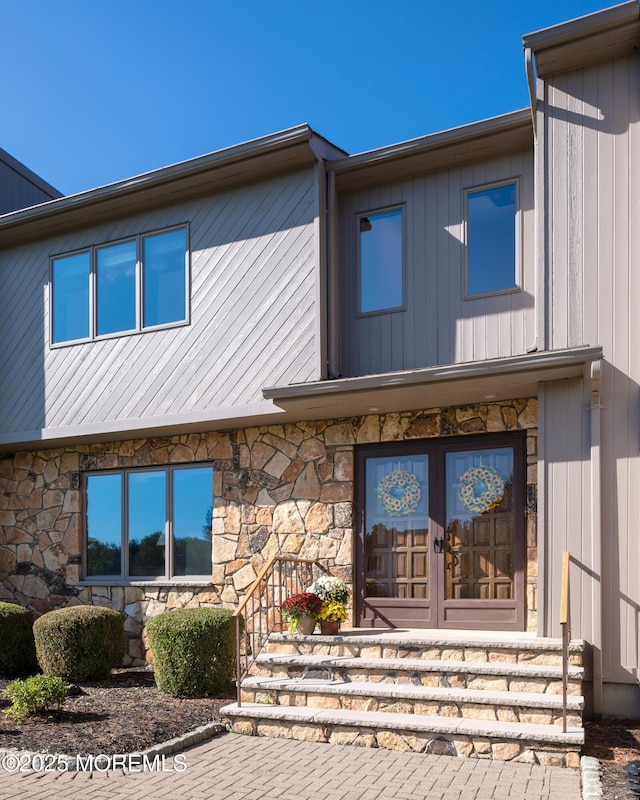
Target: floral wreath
(481, 489)
(399, 493)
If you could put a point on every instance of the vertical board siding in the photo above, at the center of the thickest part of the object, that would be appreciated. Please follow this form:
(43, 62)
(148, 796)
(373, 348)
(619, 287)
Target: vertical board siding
(438, 325)
(17, 191)
(593, 151)
(253, 317)
(567, 497)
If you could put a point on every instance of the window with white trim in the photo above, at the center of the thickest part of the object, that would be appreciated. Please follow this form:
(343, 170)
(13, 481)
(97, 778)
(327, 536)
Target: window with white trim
(149, 524)
(120, 287)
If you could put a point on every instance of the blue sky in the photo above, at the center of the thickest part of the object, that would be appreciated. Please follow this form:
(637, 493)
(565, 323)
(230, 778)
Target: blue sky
(94, 92)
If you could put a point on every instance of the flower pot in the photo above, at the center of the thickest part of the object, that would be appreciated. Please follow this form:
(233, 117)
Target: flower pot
(306, 626)
(329, 628)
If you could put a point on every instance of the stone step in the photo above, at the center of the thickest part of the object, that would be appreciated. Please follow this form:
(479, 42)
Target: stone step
(456, 646)
(530, 708)
(505, 741)
(492, 676)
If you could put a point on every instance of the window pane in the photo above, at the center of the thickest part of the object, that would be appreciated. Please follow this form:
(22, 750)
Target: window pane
(116, 288)
(192, 510)
(164, 278)
(397, 527)
(381, 261)
(147, 517)
(480, 525)
(71, 297)
(104, 525)
(492, 239)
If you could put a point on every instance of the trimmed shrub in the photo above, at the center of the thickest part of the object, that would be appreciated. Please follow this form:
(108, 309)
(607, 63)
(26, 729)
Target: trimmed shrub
(193, 651)
(18, 652)
(36, 694)
(80, 642)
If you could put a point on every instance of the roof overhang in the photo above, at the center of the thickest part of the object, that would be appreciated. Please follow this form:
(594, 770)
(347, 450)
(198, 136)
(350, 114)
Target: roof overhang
(243, 163)
(603, 35)
(457, 384)
(431, 387)
(469, 143)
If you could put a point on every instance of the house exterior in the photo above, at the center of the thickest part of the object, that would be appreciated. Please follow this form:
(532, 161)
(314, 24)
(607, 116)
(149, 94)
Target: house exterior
(20, 187)
(415, 364)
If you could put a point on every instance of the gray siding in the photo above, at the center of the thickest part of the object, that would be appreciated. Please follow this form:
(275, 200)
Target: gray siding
(592, 135)
(438, 325)
(19, 187)
(254, 317)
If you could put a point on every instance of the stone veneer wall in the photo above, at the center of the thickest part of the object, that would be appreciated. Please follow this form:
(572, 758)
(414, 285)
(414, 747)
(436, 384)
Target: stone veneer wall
(284, 489)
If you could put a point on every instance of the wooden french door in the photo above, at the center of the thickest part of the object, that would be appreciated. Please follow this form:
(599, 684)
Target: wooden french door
(440, 533)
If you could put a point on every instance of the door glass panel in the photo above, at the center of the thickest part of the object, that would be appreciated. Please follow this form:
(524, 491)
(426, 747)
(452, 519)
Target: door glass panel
(396, 531)
(480, 524)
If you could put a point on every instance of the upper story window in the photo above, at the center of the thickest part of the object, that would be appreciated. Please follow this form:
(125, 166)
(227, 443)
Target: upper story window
(123, 287)
(380, 262)
(492, 215)
(149, 524)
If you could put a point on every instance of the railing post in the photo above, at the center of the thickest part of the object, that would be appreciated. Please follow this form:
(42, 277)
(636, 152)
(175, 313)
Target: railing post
(565, 623)
(238, 663)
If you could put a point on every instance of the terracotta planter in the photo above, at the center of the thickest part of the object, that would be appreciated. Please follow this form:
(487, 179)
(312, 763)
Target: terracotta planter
(306, 626)
(329, 628)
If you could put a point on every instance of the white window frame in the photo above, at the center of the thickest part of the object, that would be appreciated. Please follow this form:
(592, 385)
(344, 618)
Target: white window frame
(123, 577)
(518, 239)
(139, 287)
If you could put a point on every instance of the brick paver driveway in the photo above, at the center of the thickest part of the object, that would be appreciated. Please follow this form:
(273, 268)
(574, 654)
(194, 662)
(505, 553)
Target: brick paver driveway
(232, 767)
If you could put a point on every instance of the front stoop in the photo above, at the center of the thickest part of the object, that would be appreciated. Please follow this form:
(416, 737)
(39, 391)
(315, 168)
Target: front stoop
(464, 694)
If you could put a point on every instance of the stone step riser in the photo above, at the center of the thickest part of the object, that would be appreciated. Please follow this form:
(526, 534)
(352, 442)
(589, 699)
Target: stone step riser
(444, 708)
(311, 645)
(410, 741)
(495, 682)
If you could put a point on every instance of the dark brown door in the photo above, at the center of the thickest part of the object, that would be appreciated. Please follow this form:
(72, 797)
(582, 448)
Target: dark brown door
(440, 533)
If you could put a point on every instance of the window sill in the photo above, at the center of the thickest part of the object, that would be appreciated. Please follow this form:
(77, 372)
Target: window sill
(493, 293)
(120, 334)
(161, 583)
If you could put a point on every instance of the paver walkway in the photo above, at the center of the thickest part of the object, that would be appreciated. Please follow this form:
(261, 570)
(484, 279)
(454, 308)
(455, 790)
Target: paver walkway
(232, 767)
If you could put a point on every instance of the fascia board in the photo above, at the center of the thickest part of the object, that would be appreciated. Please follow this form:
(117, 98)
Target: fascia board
(530, 363)
(588, 25)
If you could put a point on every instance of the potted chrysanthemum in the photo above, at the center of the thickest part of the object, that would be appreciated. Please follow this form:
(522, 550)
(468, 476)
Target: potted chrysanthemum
(334, 594)
(301, 610)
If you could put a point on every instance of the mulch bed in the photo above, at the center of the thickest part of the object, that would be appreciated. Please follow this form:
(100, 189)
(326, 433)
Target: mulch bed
(124, 714)
(615, 743)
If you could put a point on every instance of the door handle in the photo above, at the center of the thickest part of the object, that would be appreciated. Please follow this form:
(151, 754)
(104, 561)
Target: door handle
(438, 545)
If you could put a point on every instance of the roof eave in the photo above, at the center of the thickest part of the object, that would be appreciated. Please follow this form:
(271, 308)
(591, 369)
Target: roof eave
(428, 387)
(471, 142)
(607, 34)
(258, 157)
(587, 25)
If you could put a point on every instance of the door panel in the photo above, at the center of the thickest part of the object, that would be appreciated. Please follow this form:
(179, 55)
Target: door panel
(441, 533)
(483, 523)
(396, 537)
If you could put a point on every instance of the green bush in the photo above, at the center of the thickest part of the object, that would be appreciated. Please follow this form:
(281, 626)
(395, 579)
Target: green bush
(37, 693)
(18, 651)
(80, 642)
(193, 651)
